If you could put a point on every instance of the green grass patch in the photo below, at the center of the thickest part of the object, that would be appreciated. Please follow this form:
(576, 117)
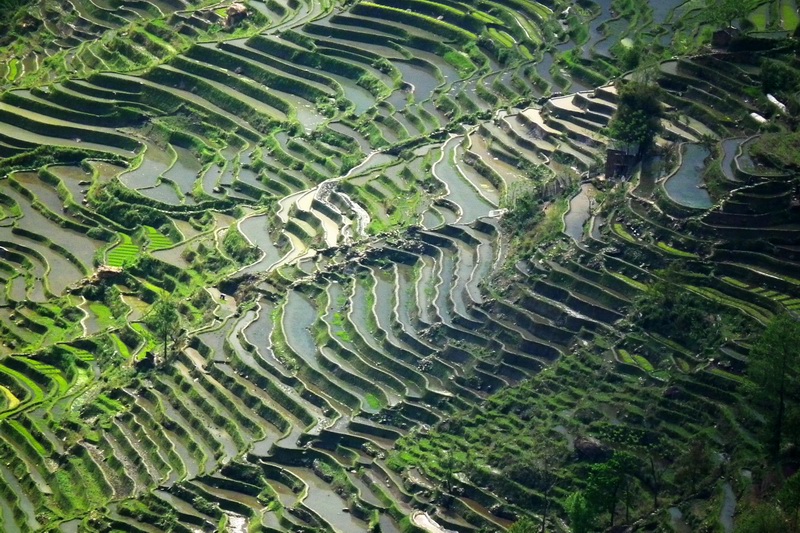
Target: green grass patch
(501, 37)
(372, 401)
(123, 252)
(460, 61)
(157, 240)
(344, 336)
(779, 150)
(25, 434)
(756, 312)
(485, 17)
(735, 282)
(620, 230)
(11, 400)
(674, 251)
(145, 333)
(26, 383)
(121, 347)
(110, 405)
(625, 357)
(50, 372)
(644, 363)
(759, 17)
(426, 22)
(103, 313)
(630, 281)
(789, 15)
(727, 375)
(635, 360)
(13, 69)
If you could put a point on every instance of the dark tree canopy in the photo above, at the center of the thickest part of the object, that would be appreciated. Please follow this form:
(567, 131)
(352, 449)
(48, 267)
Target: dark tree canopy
(774, 368)
(685, 317)
(524, 525)
(581, 516)
(723, 13)
(164, 321)
(638, 118)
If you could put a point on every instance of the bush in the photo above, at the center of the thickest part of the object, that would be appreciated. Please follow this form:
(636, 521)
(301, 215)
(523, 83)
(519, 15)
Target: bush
(685, 317)
(779, 150)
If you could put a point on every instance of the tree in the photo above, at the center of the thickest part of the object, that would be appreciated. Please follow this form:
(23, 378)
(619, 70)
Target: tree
(774, 368)
(694, 465)
(777, 77)
(789, 499)
(725, 12)
(164, 321)
(537, 469)
(523, 525)
(580, 513)
(764, 518)
(637, 120)
(657, 454)
(607, 482)
(450, 465)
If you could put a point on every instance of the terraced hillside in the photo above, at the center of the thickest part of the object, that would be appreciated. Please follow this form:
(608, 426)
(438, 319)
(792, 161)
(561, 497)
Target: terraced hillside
(393, 258)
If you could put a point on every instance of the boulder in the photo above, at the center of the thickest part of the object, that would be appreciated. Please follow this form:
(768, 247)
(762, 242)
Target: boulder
(591, 449)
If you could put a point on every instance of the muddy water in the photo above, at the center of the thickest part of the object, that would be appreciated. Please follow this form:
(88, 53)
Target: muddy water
(729, 148)
(256, 230)
(258, 331)
(613, 29)
(155, 162)
(684, 185)
(79, 244)
(459, 190)
(62, 273)
(350, 132)
(23, 501)
(17, 291)
(446, 274)
(662, 9)
(163, 192)
(423, 79)
(337, 295)
(171, 413)
(71, 176)
(478, 182)
(44, 192)
(448, 72)
(728, 508)
(191, 467)
(326, 503)
(185, 170)
(211, 179)
(579, 212)
(298, 317)
(465, 266)
(595, 31)
(181, 505)
(509, 174)
(416, 295)
(432, 218)
(360, 315)
(361, 98)
(388, 525)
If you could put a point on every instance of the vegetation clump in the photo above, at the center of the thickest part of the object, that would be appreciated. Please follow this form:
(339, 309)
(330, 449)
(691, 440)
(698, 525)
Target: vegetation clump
(637, 119)
(686, 317)
(780, 151)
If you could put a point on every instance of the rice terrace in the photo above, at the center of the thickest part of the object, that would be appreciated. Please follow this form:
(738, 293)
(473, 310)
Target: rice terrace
(400, 266)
